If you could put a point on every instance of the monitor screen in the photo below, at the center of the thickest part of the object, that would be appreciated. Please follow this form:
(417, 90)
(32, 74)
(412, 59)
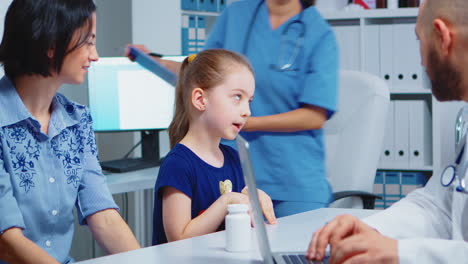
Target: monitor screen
(123, 96)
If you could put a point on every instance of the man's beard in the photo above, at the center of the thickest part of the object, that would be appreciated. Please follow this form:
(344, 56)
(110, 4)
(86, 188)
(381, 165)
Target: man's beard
(445, 78)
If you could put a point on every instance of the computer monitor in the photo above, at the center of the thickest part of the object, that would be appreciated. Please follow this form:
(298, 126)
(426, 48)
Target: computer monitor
(124, 96)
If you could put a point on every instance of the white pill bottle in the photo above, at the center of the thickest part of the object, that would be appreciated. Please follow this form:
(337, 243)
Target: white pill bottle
(238, 229)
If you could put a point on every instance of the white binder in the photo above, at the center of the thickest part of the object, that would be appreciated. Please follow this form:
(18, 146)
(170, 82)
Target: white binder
(402, 133)
(420, 134)
(348, 38)
(416, 75)
(387, 156)
(386, 54)
(372, 49)
(406, 64)
(401, 63)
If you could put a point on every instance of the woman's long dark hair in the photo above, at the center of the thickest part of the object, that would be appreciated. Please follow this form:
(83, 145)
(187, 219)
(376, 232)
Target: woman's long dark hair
(35, 27)
(308, 3)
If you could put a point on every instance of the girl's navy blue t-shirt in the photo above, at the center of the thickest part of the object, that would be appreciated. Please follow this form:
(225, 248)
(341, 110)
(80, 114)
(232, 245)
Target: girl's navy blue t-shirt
(185, 171)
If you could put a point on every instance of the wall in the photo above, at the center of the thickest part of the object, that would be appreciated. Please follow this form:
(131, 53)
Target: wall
(156, 24)
(114, 32)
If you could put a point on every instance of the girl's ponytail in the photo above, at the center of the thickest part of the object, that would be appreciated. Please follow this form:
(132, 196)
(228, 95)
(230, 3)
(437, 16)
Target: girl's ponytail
(181, 121)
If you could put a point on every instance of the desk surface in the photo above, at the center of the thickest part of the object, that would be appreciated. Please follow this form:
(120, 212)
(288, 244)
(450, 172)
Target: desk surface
(292, 233)
(132, 181)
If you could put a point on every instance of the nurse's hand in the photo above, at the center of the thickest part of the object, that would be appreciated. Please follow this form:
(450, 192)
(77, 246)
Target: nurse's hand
(352, 241)
(266, 204)
(137, 46)
(172, 66)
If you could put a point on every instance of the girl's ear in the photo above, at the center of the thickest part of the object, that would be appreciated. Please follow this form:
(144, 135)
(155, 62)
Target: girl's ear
(199, 99)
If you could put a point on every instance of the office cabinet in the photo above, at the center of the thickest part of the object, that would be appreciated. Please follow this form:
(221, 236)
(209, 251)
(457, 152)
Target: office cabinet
(420, 130)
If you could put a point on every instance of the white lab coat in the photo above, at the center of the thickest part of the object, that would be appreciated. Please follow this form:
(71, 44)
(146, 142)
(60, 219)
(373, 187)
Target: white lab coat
(431, 225)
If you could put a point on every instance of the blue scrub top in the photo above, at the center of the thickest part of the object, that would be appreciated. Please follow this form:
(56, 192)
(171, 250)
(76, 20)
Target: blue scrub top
(288, 166)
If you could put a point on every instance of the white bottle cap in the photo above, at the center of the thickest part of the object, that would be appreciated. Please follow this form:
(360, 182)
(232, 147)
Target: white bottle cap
(237, 208)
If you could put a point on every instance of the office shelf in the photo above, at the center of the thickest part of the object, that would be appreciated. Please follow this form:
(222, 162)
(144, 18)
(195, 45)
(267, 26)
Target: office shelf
(383, 42)
(411, 91)
(407, 168)
(342, 15)
(370, 14)
(200, 13)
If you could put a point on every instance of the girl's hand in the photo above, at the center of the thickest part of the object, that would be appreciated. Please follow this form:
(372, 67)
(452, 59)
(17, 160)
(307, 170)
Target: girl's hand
(266, 204)
(236, 198)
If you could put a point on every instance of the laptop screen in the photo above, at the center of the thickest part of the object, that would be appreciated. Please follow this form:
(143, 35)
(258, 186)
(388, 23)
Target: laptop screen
(260, 230)
(262, 238)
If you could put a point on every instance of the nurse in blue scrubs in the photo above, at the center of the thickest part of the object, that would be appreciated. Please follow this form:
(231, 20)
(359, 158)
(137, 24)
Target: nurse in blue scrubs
(294, 54)
(295, 58)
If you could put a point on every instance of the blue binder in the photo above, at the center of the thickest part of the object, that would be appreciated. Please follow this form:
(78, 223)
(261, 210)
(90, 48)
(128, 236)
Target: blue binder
(201, 33)
(212, 5)
(392, 188)
(189, 36)
(189, 4)
(203, 5)
(221, 5)
(379, 185)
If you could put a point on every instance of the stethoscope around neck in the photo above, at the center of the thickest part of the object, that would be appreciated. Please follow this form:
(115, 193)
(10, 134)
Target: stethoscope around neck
(458, 170)
(283, 64)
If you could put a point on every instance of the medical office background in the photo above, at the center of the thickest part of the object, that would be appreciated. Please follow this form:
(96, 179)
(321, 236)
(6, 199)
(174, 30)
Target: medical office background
(380, 41)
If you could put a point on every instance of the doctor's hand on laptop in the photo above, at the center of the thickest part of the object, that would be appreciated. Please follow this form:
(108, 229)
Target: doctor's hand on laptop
(352, 241)
(266, 204)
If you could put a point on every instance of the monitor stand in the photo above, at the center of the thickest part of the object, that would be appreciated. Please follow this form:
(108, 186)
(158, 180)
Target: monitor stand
(150, 155)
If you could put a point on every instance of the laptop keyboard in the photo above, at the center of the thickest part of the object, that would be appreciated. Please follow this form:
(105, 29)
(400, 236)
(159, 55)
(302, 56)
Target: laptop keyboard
(300, 259)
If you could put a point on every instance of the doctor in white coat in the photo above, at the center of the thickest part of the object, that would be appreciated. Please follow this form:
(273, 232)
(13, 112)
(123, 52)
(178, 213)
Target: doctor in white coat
(431, 224)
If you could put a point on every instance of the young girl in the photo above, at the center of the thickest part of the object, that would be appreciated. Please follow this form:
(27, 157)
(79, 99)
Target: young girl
(48, 156)
(296, 93)
(200, 177)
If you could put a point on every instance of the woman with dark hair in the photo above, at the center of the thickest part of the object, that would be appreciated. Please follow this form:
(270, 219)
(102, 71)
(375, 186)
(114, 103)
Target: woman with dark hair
(48, 154)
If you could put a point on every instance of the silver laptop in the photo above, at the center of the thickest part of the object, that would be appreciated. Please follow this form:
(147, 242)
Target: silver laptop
(262, 238)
